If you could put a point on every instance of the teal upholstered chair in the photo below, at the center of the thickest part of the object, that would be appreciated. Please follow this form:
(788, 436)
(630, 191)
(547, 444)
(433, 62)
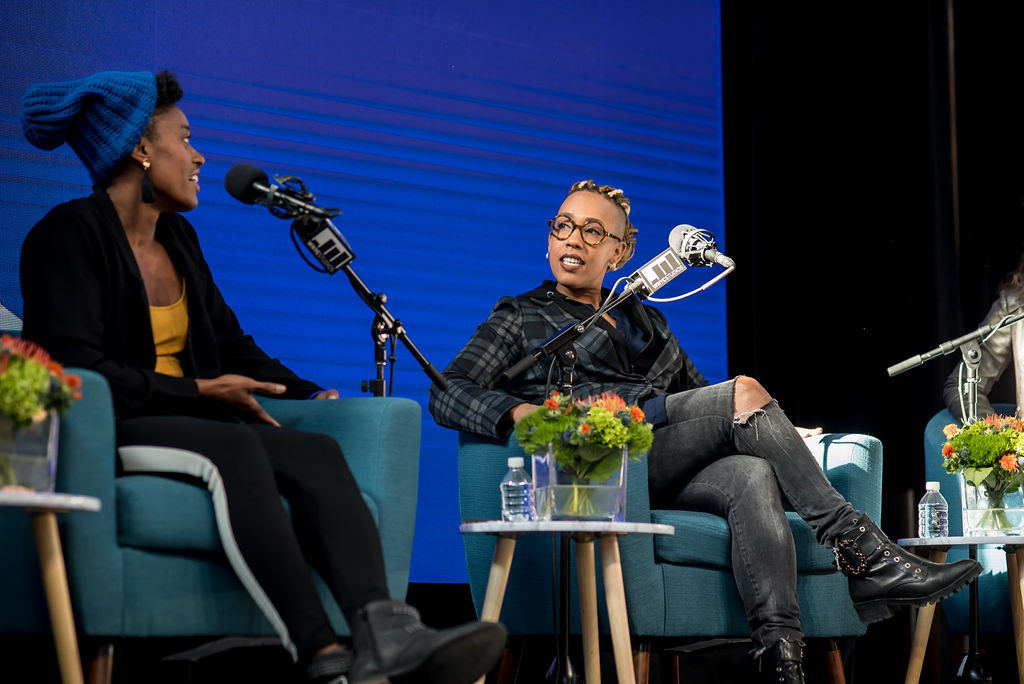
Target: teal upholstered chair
(993, 586)
(150, 564)
(676, 586)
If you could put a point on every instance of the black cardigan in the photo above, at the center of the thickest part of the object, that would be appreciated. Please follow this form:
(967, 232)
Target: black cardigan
(86, 304)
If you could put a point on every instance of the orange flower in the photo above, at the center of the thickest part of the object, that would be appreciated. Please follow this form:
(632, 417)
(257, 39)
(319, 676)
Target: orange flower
(585, 429)
(609, 401)
(950, 430)
(993, 420)
(1009, 462)
(1016, 424)
(551, 403)
(947, 450)
(72, 381)
(56, 369)
(636, 413)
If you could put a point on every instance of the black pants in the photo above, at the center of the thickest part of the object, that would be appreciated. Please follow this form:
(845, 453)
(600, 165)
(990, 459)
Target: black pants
(331, 527)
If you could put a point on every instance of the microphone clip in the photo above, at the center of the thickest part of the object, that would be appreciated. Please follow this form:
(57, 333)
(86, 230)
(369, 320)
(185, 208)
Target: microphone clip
(294, 188)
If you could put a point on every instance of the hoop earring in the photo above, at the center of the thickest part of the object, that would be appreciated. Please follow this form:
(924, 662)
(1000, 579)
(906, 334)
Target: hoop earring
(148, 193)
(547, 255)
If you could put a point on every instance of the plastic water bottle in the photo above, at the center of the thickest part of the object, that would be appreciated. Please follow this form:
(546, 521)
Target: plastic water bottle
(932, 513)
(516, 492)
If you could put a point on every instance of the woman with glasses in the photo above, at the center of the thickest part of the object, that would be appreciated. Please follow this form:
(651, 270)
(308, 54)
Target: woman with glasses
(727, 449)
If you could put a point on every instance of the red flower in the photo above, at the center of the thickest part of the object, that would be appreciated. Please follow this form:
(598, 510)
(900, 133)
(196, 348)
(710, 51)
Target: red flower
(947, 450)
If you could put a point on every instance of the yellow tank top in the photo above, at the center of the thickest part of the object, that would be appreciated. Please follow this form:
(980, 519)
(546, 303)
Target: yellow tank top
(170, 330)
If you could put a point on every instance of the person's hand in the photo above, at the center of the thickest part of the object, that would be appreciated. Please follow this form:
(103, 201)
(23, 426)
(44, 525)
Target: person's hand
(236, 391)
(521, 411)
(808, 432)
(326, 394)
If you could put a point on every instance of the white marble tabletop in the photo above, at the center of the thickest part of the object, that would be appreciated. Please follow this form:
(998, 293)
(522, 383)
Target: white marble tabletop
(980, 540)
(565, 527)
(52, 501)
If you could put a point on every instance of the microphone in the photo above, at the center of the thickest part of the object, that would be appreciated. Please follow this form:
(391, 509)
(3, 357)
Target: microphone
(697, 247)
(248, 184)
(654, 274)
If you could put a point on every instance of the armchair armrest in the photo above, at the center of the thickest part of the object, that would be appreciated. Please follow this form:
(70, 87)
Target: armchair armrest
(853, 464)
(380, 437)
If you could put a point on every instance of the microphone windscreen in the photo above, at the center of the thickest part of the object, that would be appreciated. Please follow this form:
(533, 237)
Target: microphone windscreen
(679, 234)
(240, 180)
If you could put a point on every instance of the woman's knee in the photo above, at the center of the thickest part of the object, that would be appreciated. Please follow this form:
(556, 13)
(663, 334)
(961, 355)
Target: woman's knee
(748, 396)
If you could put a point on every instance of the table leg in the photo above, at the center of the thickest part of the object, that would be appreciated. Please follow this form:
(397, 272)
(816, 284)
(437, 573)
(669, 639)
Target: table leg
(501, 564)
(922, 628)
(1015, 573)
(587, 582)
(615, 598)
(58, 598)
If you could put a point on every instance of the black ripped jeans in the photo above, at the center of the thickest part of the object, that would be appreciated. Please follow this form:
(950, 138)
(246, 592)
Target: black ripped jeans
(742, 469)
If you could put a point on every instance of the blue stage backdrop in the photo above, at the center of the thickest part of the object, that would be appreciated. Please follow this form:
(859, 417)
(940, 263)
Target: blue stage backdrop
(446, 131)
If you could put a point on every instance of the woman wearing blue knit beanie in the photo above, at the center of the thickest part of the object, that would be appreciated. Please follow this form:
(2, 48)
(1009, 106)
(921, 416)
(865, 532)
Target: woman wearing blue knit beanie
(117, 282)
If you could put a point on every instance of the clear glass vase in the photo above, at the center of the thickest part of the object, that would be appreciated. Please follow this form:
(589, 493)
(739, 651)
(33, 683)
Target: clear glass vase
(991, 511)
(561, 495)
(28, 455)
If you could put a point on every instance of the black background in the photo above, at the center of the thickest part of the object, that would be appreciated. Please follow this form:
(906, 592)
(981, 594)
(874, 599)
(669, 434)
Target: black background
(854, 250)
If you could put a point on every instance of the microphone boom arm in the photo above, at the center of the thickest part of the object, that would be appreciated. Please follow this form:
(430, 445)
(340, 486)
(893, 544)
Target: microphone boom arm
(333, 252)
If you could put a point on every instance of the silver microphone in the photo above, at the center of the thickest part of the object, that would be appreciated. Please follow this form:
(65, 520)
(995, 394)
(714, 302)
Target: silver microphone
(697, 247)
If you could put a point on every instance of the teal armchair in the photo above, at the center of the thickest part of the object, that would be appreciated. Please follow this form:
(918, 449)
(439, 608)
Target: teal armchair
(150, 563)
(676, 586)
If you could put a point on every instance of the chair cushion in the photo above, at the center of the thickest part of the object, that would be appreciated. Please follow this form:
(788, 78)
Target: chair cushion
(704, 539)
(146, 503)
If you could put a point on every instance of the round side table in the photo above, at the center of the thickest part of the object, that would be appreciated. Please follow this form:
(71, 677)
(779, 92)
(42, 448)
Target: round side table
(43, 507)
(582, 533)
(970, 670)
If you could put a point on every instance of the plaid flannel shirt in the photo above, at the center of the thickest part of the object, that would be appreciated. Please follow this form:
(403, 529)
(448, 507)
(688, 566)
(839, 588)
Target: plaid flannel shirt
(477, 401)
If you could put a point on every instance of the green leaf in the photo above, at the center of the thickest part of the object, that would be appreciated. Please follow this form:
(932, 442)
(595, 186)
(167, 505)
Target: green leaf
(606, 467)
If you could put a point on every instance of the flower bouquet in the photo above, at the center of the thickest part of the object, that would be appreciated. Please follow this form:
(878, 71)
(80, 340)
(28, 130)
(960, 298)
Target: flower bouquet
(579, 452)
(988, 456)
(33, 389)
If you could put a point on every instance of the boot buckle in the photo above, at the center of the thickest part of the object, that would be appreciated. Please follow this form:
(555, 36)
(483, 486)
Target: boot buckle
(850, 559)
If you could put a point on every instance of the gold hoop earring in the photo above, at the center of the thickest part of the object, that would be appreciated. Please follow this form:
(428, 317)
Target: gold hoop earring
(148, 193)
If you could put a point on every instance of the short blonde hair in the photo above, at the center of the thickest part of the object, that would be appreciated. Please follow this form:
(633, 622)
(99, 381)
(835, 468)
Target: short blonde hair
(622, 202)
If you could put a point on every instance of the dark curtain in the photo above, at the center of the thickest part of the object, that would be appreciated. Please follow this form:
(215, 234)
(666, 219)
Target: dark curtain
(839, 181)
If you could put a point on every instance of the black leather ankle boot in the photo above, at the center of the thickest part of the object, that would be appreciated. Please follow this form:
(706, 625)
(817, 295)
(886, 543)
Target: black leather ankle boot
(392, 645)
(330, 667)
(783, 663)
(883, 575)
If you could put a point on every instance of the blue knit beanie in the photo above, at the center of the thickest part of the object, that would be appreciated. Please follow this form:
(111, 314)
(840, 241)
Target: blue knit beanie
(102, 116)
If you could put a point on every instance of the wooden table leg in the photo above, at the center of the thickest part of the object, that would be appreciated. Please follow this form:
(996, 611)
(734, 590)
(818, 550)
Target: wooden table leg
(501, 564)
(586, 579)
(58, 597)
(922, 628)
(1015, 574)
(615, 598)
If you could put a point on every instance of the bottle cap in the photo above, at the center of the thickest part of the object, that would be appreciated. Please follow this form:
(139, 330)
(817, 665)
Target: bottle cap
(515, 461)
(931, 486)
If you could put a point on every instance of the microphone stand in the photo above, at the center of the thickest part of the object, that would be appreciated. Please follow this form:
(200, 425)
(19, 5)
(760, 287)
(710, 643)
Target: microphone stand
(327, 244)
(970, 349)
